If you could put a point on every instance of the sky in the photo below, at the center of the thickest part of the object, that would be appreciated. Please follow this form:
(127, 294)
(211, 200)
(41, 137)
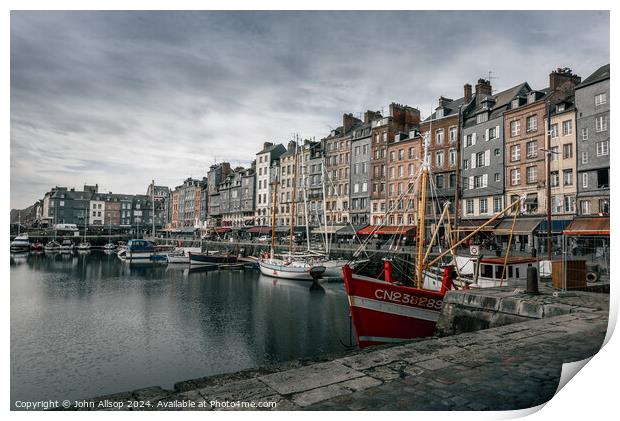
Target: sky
(120, 98)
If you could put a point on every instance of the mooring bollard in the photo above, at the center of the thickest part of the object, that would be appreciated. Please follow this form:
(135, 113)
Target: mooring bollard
(532, 281)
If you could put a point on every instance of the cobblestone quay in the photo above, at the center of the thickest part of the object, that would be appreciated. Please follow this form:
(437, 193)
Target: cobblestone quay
(509, 367)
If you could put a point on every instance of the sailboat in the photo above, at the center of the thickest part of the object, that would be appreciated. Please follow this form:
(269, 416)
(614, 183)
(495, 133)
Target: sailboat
(84, 245)
(20, 243)
(387, 310)
(297, 267)
(110, 246)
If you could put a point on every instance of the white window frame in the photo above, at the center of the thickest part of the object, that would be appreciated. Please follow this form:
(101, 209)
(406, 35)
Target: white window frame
(602, 148)
(600, 99)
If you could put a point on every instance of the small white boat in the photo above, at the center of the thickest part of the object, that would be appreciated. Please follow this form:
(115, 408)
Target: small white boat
(177, 257)
(286, 269)
(20, 244)
(109, 247)
(137, 250)
(67, 246)
(83, 246)
(52, 246)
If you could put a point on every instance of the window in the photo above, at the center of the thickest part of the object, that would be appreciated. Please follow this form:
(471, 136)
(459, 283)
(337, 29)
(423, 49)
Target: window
(439, 181)
(532, 149)
(567, 151)
(452, 156)
(401, 154)
(469, 140)
(493, 133)
(470, 206)
(497, 204)
(585, 207)
(584, 180)
(439, 136)
(600, 99)
(561, 108)
(466, 164)
(554, 130)
(452, 134)
(567, 127)
(452, 180)
(584, 133)
(555, 153)
(556, 204)
(482, 117)
(497, 177)
(603, 178)
(356, 188)
(480, 159)
(555, 178)
(411, 169)
(515, 128)
(602, 148)
(515, 177)
(531, 123)
(477, 181)
(364, 186)
(603, 206)
(569, 203)
(601, 123)
(568, 177)
(531, 174)
(515, 152)
(496, 152)
(584, 157)
(483, 205)
(61, 203)
(439, 158)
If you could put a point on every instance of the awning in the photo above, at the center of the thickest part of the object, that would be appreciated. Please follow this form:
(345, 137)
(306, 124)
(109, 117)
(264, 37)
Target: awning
(259, 230)
(557, 226)
(331, 229)
(384, 230)
(523, 226)
(222, 230)
(349, 229)
(588, 226)
(473, 224)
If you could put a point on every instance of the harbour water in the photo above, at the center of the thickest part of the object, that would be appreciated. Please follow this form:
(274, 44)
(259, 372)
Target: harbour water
(85, 325)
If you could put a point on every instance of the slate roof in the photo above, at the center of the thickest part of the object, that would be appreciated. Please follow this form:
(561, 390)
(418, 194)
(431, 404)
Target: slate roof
(599, 74)
(450, 109)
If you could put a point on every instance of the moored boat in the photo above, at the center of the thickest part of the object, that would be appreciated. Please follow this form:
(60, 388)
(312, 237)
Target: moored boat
(66, 246)
(287, 269)
(109, 247)
(84, 246)
(52, 246)
(137, 250)
(197, 259)
(36, 246)
(20, 244)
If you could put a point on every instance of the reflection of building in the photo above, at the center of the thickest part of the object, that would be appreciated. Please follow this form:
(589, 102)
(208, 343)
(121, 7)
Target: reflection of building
(592, 102)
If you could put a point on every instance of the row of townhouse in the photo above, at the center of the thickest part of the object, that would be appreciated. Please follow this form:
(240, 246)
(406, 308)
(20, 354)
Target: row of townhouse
(89, 207)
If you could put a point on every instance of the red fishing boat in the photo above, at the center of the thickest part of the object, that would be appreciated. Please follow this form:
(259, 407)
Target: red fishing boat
(386, 310)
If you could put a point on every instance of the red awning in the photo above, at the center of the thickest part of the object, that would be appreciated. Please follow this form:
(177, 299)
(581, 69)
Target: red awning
(259, 230)
(384, 230)
(221, 230)
(588, 226)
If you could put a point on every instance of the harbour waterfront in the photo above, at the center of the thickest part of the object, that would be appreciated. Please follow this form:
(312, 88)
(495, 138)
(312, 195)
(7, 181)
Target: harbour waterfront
(85, 325)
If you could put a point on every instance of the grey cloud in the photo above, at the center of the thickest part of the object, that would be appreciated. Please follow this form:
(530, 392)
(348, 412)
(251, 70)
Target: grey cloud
(119, 98)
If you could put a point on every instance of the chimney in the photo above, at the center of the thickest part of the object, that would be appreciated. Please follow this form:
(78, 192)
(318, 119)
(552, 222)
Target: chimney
(564, 80)
(483, 88)
(443, 101)
(370, 116)
(467, 93)
(291, 145)
(267, 144)
(347, 122)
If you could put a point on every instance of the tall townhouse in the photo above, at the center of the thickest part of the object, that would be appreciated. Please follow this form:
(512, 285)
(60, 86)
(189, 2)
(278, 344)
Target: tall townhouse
(524, 125)
(401, 118)
(112, 211)
(304, 151)
(592, 102)
(96, 214)
(216, 174)
(359, 209)
(174, 221)
(482, 151)
(264, 163)
(403, 170)
(442, 126)
(288, 189)
(563, 157)
(248, 193)
(314, 185)
(337, 147)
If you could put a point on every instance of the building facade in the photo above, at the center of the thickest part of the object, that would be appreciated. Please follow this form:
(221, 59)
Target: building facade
(265, 160)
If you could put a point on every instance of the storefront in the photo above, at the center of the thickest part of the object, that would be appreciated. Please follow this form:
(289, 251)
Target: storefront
(523, 238)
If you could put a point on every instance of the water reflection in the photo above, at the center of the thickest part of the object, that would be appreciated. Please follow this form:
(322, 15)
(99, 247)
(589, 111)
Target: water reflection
(88, 324)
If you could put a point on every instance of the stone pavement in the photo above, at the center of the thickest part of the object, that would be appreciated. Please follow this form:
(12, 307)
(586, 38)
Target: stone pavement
(509, 367)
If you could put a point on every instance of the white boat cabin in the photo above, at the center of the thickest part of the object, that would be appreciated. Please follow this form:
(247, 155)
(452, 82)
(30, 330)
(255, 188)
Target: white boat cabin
(491, 268)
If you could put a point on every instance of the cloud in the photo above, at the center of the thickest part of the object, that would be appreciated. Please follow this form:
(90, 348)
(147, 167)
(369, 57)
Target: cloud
(120, 98)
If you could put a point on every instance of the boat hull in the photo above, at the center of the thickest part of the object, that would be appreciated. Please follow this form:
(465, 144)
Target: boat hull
(383, 312)
(196, 259)
(285, 271)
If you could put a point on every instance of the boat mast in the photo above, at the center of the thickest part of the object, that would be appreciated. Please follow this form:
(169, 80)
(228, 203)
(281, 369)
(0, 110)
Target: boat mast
(422, 208)
(290, 239)
(19, 222)
(323, 182)
(274, 185)
(153, 204)
(303, 185)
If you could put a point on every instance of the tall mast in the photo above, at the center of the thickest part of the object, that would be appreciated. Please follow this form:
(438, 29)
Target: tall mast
(303, 185)
(422, 208)
(290, 240)
(153, 204)
(273, 215)
(19, 222)
(323, 182)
